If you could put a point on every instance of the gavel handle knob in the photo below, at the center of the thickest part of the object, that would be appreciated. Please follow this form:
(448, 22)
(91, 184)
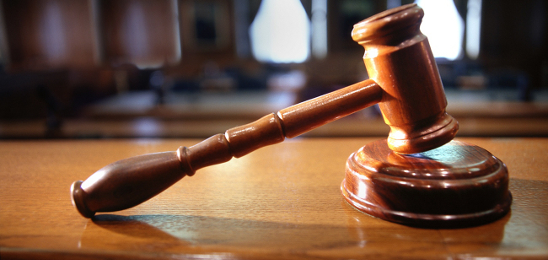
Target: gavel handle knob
(129, 182)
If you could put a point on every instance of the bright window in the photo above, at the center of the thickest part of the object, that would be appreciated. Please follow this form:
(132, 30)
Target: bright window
(473, 28)
(280, 32)
(443, 26)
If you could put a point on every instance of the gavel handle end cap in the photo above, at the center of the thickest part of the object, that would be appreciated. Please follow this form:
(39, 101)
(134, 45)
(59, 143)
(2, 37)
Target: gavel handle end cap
(77, 197)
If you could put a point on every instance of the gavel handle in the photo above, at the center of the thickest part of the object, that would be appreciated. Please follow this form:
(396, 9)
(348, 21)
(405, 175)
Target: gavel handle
(129, 182)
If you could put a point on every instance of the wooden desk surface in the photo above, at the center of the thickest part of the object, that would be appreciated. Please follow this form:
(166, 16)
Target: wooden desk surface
(280, 202)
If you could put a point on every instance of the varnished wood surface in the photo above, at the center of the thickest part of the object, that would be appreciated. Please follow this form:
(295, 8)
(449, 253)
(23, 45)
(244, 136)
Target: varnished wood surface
(398, 58)
(128, 182)
(279, 202)
(453, 186)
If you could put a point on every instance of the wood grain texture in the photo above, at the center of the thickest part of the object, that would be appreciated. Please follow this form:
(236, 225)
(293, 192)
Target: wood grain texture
(398, 57)
(455, 185)
(280, 202)
(128, 182)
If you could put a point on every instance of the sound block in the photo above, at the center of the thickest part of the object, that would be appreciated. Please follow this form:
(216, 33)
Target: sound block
(455, 185)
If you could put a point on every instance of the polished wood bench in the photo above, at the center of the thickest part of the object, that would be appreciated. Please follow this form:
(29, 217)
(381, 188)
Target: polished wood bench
(280, 202)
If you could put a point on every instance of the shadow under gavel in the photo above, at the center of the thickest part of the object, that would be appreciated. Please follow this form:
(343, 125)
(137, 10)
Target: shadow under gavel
(404, 82)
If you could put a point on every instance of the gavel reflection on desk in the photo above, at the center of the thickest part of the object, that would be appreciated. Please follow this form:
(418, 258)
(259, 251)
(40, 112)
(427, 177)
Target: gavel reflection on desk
(405, 82)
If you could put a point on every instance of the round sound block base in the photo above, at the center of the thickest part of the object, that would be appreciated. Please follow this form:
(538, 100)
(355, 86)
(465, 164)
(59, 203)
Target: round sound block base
(455, 185)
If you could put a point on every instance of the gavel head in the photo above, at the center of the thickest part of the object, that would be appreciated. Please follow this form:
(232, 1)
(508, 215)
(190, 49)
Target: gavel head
(398, 57)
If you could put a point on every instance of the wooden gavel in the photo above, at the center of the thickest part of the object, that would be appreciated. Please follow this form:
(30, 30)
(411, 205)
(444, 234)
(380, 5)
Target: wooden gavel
(404, 82)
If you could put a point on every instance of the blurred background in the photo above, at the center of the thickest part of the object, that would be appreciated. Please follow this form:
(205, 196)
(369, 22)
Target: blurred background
(189, 68)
